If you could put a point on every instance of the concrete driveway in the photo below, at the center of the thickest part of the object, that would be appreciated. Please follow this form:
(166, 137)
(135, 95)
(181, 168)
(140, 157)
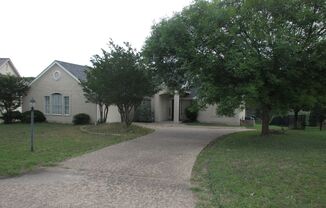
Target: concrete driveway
(151, 171)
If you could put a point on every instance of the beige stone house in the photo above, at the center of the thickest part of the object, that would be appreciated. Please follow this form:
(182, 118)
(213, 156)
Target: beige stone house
(167, 107)
(7, 67)
(59, 96)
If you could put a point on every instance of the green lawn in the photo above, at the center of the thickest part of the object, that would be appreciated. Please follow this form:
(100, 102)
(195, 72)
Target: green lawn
(53, 143)
(245, 170)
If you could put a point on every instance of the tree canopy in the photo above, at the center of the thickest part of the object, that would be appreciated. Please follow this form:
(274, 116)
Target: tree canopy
(12, 89)
(247, 52)
(119, 77)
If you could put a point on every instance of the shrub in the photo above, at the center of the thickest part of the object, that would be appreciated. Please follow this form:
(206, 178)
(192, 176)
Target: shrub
(38, 117)
(192, 112)
(143, 113)
(9, 117)
(280, 121)
(81, 118)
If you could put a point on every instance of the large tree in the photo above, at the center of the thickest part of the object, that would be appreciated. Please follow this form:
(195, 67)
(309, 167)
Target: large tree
(11, 91)
(252, 51)
(119, 77)
(94, 86)
(165, 55)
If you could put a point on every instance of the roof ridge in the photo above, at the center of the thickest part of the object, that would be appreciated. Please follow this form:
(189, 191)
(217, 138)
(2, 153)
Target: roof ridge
(69, 63)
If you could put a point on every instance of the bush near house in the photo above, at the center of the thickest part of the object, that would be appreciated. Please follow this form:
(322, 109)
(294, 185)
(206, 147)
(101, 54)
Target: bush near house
(12, 116)
(192, 112)
(38, 117)
(143, 112)
(81, 118)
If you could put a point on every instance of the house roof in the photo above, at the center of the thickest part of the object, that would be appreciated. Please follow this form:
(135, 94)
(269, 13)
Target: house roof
(7, 60)
(76, 71)
(3, 61)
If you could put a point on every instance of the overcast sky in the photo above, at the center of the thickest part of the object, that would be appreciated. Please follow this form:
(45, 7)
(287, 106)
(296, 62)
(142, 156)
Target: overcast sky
(36, 32)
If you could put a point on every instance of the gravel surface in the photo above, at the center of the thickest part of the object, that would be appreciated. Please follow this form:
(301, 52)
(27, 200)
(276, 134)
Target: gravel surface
(151, 171)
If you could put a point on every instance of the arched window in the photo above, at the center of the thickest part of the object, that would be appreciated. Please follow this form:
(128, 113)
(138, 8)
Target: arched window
(56, 103)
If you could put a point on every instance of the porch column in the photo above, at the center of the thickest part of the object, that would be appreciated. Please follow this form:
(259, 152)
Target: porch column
(176, 107)
(157, 108)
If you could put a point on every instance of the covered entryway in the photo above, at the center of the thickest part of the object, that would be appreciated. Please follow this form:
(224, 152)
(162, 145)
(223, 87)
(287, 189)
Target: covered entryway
(169, 107)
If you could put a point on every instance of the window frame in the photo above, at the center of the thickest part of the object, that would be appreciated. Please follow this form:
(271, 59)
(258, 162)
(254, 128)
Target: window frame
(47, 105)
(65, 106)
(57, 106)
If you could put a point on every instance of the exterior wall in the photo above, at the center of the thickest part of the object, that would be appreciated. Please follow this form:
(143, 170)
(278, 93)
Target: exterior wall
(67, 86)
(113, 114)
(166, 108)
(162, 107)
(208, 115)
(7, 69)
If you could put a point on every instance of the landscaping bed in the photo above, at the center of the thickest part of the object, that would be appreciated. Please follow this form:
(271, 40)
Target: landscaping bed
(246, 170)
(53, 143)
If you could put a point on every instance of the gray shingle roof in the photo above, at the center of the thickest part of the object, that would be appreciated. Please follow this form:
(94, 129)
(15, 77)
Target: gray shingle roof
(3, 60)
(77, 70)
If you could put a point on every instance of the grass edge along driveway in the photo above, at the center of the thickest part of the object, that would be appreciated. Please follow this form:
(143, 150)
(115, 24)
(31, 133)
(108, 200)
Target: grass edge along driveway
(55, 143)
(245, 170)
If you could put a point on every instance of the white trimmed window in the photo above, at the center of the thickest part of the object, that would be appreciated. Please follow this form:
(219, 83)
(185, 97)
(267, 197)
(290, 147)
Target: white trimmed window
(66, 105)
(47, 104)
(56, 104)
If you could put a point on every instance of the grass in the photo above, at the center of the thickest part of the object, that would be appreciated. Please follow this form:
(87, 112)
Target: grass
(246, 170)
(197, 123)
(53, 143)
(113, 129)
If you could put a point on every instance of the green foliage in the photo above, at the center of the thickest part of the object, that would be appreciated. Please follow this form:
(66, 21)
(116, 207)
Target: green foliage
(38, 117)
(94, 88)
(81, 119)
(123, 79)
(143, 113)
(11, 91)
(253, 52)
(11, 116)
(165, 51)
(318, 114)
(192, 112)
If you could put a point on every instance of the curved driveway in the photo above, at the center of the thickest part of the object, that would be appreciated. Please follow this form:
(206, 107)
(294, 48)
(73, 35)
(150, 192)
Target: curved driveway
(151, 171)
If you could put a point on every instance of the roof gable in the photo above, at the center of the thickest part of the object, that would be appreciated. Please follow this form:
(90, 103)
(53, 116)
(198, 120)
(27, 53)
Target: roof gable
(77, 72)
(3, 61)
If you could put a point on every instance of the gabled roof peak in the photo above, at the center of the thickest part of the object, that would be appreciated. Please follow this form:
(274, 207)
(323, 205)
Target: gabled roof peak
(7, 60)
(77, 72)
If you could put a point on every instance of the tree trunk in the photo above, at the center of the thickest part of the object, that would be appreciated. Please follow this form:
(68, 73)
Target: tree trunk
(101, 112)
(321, 121)
(296, 113)
(265, 121)
(105, 114)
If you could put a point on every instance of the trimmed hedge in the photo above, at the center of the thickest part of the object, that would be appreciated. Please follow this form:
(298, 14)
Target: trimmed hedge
(81, 118)
(38, 117)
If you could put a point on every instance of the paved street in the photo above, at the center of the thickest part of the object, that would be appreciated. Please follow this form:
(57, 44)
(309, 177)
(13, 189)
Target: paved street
(151, 171)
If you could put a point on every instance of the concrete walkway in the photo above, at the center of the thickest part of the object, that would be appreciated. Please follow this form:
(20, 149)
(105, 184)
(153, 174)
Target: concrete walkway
(151, 171)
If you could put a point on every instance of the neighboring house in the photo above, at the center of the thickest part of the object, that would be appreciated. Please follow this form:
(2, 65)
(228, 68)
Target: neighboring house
(7, 67)
(59, 96)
